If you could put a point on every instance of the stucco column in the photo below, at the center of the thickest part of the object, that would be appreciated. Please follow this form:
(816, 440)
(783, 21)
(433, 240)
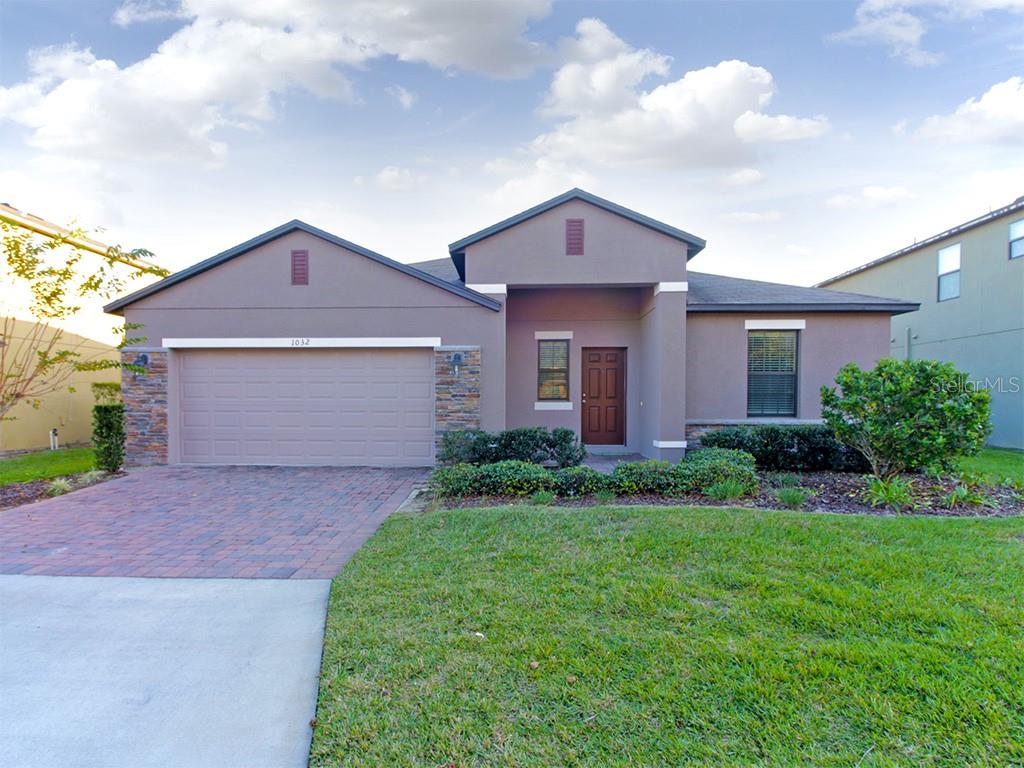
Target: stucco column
(664, 385)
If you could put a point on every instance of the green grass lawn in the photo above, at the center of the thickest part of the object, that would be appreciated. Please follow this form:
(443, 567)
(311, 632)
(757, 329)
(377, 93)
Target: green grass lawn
(45, 464)
(652, 636)
(996, 464)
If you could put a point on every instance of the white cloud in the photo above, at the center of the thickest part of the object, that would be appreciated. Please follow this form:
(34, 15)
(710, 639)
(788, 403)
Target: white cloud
(754, 126)
(900, 25)
(405, 98)
(869, 197)
(393, 178)
(141, 11)
(753, 217)
(997, 116)
(743, 177)
(600, 73)
(234, 58)
(710, 116)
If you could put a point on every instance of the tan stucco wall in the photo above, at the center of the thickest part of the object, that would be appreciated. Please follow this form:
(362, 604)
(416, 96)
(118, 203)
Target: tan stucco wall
(69, 412)
(617, 252)
(348, 295)
(716, 358)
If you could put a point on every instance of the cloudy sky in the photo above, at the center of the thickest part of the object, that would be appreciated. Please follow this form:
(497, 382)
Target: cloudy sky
(799, 139)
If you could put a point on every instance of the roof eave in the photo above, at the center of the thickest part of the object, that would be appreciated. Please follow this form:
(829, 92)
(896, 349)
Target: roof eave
(890, 308)
(115, 306)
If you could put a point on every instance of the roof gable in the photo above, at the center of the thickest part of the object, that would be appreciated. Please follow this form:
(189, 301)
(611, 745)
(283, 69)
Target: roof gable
(696, 244)
(284, 229)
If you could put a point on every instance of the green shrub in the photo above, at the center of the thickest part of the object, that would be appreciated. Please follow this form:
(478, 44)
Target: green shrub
(572, 482)
(106, 392)
(895, 493)
(792, 497)
(963, 495)
(604, 496)
(799, 447)
(467, 446)
(541, 498)
(632, 477)
(699, 476)
(59, 486)
(533, 444)
(108, 435)
(512, 478)
(735, 456)
(905, 415)
(786, 480)
(565, 448)
(726, 490)
(454, 481)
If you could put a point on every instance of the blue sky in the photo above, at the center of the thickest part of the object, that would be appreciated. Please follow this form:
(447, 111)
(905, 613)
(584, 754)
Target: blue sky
(799, 138)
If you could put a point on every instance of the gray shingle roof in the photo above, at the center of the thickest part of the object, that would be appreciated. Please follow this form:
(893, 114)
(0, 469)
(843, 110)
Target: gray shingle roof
(717, 293)
(442, 268)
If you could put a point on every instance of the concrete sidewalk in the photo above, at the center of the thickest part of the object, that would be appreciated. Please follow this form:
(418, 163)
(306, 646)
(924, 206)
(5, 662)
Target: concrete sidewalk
(175, 673)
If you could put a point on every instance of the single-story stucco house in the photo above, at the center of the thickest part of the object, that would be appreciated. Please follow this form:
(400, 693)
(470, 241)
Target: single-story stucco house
(299, 347)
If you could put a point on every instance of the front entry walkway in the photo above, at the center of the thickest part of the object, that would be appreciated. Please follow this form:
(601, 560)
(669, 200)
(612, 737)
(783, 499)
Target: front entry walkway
(215, 522)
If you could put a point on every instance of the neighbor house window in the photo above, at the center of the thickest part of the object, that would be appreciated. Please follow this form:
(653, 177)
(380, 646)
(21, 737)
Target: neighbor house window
(553, 369)
(949, 272)
(300, 267)
(574, 237)
(1017, 239)
(771, 373)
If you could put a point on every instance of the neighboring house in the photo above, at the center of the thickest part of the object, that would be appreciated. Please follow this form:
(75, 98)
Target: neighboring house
(969, 281)
(298, 347)
(70, 413)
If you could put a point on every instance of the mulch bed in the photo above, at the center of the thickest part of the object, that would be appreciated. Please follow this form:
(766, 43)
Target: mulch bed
(16, 494)
(838, 492)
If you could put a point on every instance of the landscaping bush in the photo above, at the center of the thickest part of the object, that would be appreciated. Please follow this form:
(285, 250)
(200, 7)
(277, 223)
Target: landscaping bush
(698, 476)
(642, 477)
(467, 446)
(735, 456)
(573, 482)
(454, 481)
(726, 490)
(108, 435)
(795, 447)
(533, 444)
(907, 414)
(512, 478)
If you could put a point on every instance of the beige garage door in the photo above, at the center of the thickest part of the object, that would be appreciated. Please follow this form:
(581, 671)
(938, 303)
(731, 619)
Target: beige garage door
(315, 406)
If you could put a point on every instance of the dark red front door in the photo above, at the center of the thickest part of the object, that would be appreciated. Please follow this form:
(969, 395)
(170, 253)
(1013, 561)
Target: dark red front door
(603, 395)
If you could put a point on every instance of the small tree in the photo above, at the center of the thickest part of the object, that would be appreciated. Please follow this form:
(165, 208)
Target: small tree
(56, 278)
(905, 415)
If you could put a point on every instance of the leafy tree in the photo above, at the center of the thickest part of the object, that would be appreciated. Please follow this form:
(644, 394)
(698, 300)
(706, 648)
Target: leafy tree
(59, 273)
(907, 414)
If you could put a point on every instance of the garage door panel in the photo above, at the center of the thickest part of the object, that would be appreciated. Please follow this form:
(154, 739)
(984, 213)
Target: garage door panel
(306, 406)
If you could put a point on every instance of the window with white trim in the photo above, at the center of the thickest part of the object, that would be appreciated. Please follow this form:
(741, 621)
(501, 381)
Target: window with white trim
(771, 373)
(949, 272)
(552, 370)
(1017, 239)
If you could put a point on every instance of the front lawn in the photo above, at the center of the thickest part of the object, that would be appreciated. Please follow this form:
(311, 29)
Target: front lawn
(44, 465)
(996, 464)
(532, 636)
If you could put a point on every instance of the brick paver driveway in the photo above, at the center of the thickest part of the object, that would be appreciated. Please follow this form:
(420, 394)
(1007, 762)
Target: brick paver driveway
(229, 522)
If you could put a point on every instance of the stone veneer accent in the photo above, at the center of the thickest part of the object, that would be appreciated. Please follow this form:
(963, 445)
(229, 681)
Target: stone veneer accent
(145, 409)
(456, 398)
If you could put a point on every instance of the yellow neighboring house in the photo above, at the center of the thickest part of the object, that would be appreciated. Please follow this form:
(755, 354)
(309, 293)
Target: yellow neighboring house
(69, 412)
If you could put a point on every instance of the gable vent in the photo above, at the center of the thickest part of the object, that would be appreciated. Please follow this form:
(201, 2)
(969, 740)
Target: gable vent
(300, 267)
(574, 237)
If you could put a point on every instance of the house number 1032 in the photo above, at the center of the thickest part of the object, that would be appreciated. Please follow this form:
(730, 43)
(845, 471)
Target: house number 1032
(300, 342)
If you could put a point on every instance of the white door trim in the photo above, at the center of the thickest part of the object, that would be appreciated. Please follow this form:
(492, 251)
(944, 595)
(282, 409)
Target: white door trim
(304, 342)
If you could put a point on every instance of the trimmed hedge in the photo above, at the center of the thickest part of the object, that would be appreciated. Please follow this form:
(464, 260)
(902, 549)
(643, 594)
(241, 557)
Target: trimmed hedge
(533, 444)
(108, 435)
(696, 473)
(799, 447)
